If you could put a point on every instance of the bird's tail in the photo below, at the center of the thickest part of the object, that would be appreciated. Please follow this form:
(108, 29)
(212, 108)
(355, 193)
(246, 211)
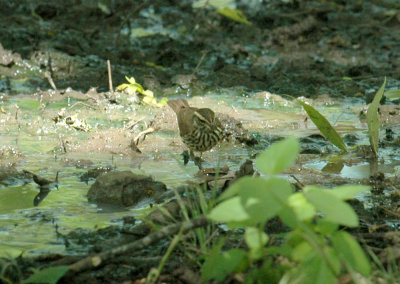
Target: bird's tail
(178, 104)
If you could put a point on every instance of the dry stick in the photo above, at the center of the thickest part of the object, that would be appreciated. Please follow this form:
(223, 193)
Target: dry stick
(16, 117)
(110, 84)
(50, 73)
(143, 133)
(100, 259)
(62, 144)
(50, 79)
(199, 63)
(132, 124)
(299, 183)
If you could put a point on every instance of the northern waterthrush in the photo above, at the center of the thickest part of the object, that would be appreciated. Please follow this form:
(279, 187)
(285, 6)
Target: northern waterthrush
(199, 129)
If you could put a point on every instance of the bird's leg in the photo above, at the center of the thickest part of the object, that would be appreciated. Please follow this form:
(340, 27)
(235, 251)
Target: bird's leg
(197, 160)
(192, 156)
(186, 157)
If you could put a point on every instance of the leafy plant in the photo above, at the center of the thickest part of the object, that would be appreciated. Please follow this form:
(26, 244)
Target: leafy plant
(49, 275)
(324, 126)
(148, 96)
(315, 249)
(373, 119)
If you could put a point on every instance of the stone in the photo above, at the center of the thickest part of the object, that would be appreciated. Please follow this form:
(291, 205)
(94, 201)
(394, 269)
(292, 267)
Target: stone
(124, 188)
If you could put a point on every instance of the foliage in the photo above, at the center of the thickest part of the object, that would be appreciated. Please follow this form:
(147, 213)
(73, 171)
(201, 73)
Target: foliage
(373, 119)
(9, 271)
(225, 8)
(234, 14)
(324, 126)
(49, 275)
(148, 96)
(393, 94)
(316, 251)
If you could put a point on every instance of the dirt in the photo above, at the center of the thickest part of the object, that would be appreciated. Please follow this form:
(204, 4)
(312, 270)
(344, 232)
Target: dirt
(322, 50)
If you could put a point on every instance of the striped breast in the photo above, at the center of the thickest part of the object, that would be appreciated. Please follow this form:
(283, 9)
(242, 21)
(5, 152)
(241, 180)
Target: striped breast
(203, 138)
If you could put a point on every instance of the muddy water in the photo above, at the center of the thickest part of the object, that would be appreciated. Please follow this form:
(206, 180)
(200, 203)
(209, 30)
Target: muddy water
(35, 140)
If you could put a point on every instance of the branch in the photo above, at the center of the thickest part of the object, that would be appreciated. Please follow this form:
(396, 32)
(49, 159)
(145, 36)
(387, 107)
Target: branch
(100, 259)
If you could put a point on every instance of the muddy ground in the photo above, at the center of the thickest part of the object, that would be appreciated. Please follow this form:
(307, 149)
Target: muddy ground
(316, 49)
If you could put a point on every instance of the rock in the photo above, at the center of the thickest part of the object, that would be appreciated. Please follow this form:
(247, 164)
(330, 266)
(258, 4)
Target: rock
(124, 188)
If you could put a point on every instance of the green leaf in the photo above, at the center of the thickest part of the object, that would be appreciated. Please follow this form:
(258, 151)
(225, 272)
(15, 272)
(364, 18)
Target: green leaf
(352, 253)
(302, 208)
(218, 266)
(49, 275)
(234, 14)
(230, 210)
(326, 227)
(302, 251)
(392, 94)
(346, 192)
(332, 207)
(373, 118)
(314, 270)
(333, 258)
(288, 216)
(260, 199)
(278, 157)
(255, 238)
(244, 182)
(324, 126)
(263, 203)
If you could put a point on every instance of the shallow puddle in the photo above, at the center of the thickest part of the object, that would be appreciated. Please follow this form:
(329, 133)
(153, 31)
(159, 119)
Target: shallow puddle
(36, 137)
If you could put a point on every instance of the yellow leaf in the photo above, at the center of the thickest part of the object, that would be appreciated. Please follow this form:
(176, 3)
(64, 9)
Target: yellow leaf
(234, 14)
(130, 80)
(148, 93)
(149, 100)
(122, 87)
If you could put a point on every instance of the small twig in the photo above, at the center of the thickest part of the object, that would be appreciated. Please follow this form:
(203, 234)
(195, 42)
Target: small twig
(132, 124)
(390, 211)
(51, 82)
(62, 144)
(100, 259)
(42, 105)
(143, 133)
(16, 112)
(110, 84)
(16, 117)
(134, 147)
(50, 73)
(299, 184)
(200, 61)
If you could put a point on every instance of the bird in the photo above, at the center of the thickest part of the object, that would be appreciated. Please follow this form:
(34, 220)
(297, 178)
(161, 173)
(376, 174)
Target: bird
(199, 129)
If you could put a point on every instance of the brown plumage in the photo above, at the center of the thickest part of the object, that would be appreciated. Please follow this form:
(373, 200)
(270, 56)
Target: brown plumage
(200, 130)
